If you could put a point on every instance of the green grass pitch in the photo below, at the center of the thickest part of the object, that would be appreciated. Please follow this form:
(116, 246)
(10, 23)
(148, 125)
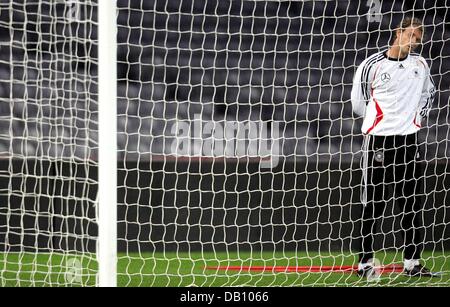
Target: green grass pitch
(189, 269)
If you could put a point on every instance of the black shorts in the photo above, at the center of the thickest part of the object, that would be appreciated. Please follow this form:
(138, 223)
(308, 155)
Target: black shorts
(391, 163)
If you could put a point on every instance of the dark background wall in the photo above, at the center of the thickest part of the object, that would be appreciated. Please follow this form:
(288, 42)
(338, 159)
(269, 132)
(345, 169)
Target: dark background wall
(204, 205)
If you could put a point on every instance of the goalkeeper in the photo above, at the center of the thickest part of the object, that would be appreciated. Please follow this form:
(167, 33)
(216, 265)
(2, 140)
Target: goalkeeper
(393, 91)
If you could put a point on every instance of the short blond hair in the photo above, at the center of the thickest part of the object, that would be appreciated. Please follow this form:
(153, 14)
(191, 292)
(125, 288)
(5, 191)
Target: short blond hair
(408, 22)
(411, 21)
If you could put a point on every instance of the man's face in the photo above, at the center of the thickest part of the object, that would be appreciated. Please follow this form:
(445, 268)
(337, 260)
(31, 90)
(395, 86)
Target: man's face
(409, 39)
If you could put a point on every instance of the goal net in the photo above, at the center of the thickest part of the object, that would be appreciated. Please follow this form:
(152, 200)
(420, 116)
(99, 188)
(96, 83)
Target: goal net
(239, 156)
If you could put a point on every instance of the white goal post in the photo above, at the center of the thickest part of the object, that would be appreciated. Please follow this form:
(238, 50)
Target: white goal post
(107, 130)
(205, 143)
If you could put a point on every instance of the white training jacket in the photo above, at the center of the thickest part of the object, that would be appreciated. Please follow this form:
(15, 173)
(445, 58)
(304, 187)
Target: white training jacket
(392, 95)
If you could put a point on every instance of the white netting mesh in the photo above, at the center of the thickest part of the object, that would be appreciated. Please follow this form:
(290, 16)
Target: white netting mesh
(48, 142)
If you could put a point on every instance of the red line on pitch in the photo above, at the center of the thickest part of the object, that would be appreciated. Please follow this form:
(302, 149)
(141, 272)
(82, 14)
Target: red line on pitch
(393, 268)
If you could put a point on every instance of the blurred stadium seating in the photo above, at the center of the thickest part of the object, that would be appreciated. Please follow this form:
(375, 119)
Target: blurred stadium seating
(291, 62)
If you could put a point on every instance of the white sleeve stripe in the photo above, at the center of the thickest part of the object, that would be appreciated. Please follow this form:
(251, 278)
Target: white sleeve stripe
(432, 81)
(366, 73)
(427, 106)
